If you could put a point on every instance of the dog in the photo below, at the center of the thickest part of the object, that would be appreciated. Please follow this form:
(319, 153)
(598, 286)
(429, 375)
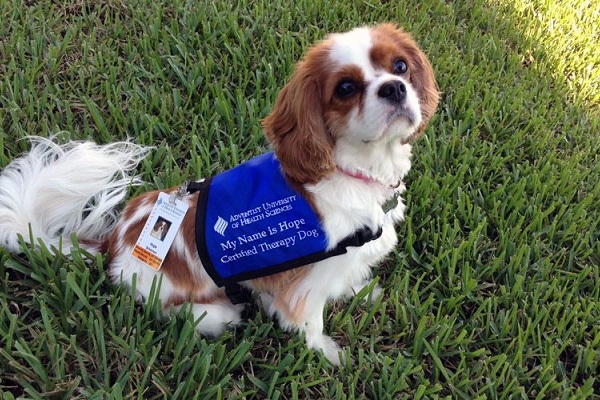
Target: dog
(160, 230)
(341, 132)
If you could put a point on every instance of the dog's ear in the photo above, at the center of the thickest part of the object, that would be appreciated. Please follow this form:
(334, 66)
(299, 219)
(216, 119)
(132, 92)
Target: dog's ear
(423, 80)
(297, 131)
(422, 77)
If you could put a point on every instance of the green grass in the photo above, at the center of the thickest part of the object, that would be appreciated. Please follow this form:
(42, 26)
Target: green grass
(494, 290)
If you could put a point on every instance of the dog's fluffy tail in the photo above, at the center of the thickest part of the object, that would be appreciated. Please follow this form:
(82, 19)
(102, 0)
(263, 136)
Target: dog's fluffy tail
(59, 190)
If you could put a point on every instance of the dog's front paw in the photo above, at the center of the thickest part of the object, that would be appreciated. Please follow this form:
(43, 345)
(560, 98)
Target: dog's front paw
(370, 295)
(331, 350)
(396, 214)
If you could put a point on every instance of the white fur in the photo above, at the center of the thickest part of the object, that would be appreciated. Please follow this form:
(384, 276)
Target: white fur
(65, 189)
(352, 48)
(215, 318)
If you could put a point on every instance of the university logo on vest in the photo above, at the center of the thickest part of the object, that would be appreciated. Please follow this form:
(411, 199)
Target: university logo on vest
(220, 226)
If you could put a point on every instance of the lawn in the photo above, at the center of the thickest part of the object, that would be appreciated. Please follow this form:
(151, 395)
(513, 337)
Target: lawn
(494, 289)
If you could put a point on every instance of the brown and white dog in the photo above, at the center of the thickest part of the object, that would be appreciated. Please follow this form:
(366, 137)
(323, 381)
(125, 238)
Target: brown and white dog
(341, 129)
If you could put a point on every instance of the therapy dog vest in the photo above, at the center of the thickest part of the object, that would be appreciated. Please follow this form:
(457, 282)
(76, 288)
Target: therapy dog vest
(250, 223)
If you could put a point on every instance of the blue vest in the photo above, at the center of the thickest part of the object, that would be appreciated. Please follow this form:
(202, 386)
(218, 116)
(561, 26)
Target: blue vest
(250, 223)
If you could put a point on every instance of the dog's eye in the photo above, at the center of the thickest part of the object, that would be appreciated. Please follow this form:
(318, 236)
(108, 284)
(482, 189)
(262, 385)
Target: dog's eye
(345, 89)
(399, 67)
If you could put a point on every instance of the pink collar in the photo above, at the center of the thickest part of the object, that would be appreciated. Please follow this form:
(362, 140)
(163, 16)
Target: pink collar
(365, 178)
(359, 175)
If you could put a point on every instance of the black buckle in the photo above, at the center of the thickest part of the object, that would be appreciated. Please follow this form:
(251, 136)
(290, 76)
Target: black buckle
(193, 187)
(366, 235)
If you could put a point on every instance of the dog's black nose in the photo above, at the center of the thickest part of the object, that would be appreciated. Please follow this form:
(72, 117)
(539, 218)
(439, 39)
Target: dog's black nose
(394, 91)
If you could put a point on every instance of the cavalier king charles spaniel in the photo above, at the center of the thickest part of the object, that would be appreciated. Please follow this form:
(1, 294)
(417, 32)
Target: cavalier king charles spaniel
(341, 130)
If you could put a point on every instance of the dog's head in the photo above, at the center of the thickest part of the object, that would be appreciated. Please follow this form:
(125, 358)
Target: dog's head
(368, 85)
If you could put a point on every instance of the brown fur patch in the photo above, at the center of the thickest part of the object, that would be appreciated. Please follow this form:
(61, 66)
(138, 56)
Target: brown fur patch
(134, 230)
(421, 75)
(178, 270)
(337, 109)
(134, 204)
(283, 287)
(296, 127)
(212, 298)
